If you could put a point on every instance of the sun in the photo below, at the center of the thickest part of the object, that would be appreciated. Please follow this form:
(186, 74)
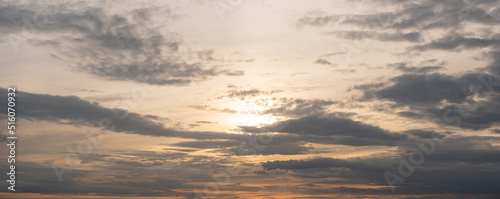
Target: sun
(252, 120)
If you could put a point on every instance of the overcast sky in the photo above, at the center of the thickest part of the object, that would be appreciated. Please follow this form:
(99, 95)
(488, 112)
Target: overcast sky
(253, 98)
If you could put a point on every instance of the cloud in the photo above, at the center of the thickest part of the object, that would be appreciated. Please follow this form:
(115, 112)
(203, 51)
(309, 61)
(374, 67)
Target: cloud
(494, 66)
(291, 107)
(208, 144)
(333, 126)
(420, 15)
(115, 46)
(468, 156)
(413, 22)
(359, 35)
(115, 171)
(242, 147)
(323, 61)
(454, 42)
(242, 94)
(74, 110)
(299, 107)
(356, 163)
(430, 95)
(405, 67)
(423, 89)
(311, 129)
(476, 115)
(205, 107)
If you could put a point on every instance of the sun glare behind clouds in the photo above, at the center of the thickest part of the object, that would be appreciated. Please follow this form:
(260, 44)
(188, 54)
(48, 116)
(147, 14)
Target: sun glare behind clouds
(252, 120)
(251, 98)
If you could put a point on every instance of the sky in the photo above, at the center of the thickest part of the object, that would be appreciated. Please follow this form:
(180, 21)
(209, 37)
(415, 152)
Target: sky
(252, 98)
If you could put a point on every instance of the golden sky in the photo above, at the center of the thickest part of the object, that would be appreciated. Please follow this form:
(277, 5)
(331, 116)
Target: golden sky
(253, 98)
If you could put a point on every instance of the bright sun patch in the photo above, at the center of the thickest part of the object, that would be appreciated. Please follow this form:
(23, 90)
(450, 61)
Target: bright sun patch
(252, 120)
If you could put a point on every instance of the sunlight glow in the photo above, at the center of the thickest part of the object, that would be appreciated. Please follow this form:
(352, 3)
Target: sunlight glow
(252, 120)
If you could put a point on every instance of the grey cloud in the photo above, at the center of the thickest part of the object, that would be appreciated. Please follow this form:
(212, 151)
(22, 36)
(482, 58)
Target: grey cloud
(323, 61)
(299, 107)
(412, 21)
(78, 111)
(208, 144)
(118, 169)
(335, 126)
(420, 15)
(316, 20)
(494, 66)
(423, 89)
(405, 67)
(423, 133)
(356, 163)
(454, 42)
(248, 93)
(3, 137)
(369, 86)
(485, 115)
(204, 122)
(116, 47)
(277, 106)
(241, 148)
(73, 110)
(424, 93)
(359, 35)
(456, 155)
(42, 178)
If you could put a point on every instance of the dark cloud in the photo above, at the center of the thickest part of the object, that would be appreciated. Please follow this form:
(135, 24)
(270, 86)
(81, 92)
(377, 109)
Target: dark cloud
(3, 137)
(208, 144)
(476, 115)
(359, 35)
(298, 107)
(454, 42)
(420, 15)
(405, 67)
(467, 101)
(413, 22)
(242, 94)
(468, 156)
(115, 174)
(423, 89)
(316, 20)
(357, 163)
(242, 147)
(323, 61)
(494, 66)
(334, 126)
(114, 46)
(369, 86)
(74, 110)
